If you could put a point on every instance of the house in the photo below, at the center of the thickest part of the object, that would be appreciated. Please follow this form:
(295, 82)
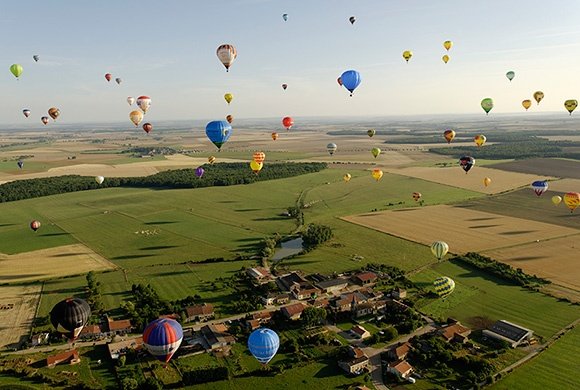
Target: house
(332, 285)
(346, 301)
(286, 281)
(320, 303)
(217, 337)
(360, 332)
(399, 293)
(39, 339)
(399, 352)
(368, 308)
(304, 291)
(90, 332)
(200, 313)
(258, 319)
(259, 275)
(509, 332)
(454, 332)
(71, 357)
(356, 362)
(121, 327)
(401, 368)
(293, 312)
(120, 348)
(274, 298)
(365, 278)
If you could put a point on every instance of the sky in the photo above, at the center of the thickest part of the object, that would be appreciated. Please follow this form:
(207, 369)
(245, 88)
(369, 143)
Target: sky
(166, 50)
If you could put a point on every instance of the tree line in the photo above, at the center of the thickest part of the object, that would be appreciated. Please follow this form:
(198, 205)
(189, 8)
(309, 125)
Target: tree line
(534, 147)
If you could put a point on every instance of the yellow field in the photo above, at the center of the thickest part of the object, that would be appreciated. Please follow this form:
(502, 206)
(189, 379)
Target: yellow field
(17, 309)
(565, 185)
(50, 263)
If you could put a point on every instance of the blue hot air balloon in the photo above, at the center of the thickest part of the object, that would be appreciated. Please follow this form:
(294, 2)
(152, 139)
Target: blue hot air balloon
(350, 80)
(162, 337)
(540, 186)
(199, 171)
(263, 343)
(20, 164)
(218, 132)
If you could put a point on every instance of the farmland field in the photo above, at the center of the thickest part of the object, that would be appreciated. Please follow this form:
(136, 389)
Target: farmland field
(543, 166)
(17, 309)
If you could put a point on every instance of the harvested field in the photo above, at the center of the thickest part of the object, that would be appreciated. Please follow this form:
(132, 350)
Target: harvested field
(502, 181)
(543, 166)
(50, 263)
(17, 309)
(565, 185)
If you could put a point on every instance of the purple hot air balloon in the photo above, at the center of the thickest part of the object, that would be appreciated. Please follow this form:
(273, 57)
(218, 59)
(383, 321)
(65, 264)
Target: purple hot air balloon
(199, 171)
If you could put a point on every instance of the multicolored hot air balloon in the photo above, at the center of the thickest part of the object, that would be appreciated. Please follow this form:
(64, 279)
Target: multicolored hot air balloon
(479, 140)
(144, 102)
(526, 104)
(44, 120)
(211, 159)
(147, 127)
(54, 113)
(26, 112)
(540, 186)
(572, 200)
(16, 70)
(538, 96)
(108, 76)
(375, 152)
(99, 179)
(571, 105)
(444, 286)
(487, 105)
(199, 171)
(449, 135)
(447, 45)
(377, 174)
(259, 157)
(274, 136)
(20, 164)
(350, 80)
(407, 54)
(445, 58)
(263, 343)
(35, 225)
(371, 132)
(352, 19)
(346, 177)
(556, 200)
(466, 163)
(439, 249)
(256, 167)
(70, 316)
(486, 181)
(228, 97)
(227, 54)
(162, 338)
(287, 122)
(130, 100)
(510, 75)
(417, 196)
(284, 86)
(136, 117)
(218, 132)
(331, 148)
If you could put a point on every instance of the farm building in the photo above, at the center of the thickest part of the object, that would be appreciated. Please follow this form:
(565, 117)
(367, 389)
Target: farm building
(201, 312)
(506, 331)
(118, 326)
(401, 369)
(292, 312)
(217, 337)
(71, 357)
(332, 285)
(399, 352)
(357, 361)
(259, 275)
(454, 332)
(360, 332)
(91, 331)
(365, 278)
(275, 298)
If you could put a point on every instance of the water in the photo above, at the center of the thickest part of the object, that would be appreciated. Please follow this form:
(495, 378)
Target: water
(288, 248)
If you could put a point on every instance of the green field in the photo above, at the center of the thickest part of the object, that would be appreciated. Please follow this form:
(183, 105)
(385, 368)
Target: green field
(481, 296)
(554, 368)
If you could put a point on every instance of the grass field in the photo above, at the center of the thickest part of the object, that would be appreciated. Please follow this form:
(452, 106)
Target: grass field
(480, 297)
(555, 368)
(543, 166)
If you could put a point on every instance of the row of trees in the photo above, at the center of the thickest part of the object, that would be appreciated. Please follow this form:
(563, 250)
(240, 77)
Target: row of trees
(94, 297)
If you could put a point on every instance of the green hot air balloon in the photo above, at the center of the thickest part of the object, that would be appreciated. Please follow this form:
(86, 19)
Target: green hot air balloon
(376, 152)
(16, 70)
(487, 105)
(510, 75)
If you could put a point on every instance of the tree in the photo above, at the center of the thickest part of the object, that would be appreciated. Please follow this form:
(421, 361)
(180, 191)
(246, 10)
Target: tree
(122, 360)
(312, 316)
(129, 384)
(151, 383)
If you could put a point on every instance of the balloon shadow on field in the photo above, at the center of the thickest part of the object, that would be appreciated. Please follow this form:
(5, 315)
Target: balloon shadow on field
(158, 247)
(54, 234)
(128, 257)
(160, 222)
(68, 254)
(526, 258)
(481, 219)
(516, 232)
(482, 226)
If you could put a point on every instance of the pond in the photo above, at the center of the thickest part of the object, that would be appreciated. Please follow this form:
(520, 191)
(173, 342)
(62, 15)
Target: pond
(288, 248)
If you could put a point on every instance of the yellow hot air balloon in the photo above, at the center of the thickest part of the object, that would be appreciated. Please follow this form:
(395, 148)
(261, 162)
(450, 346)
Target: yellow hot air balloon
(538, 96)
(211, 159)
(377, 174)
(439, 249)
(527, 104)
(136, 117)
(449, 135)
(346, 177)
(486, 181)
(447, 45)
(229, 97)
(445, 58)
(375, 152)
(479, 140)
(571, 105)
(572, 200)
(444, 286)
(407, 54)
(556, 200)
(256, 166)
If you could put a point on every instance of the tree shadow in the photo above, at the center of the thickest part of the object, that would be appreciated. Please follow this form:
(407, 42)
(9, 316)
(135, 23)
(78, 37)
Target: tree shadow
(526, 258)
(158, 247)
(67, 254)
(516, 232)
(54, 234)
(482, 226)
(160, 222)
(12, 277)
(128, 257)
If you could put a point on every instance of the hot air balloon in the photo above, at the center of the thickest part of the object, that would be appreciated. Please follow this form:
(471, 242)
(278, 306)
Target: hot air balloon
(445, 58)
(147, 127)
(556, 200)
(35, 57)
(229, 118)
(54, 113)
(228, 97)
(70, 316)
(108, 76)
(377, 174)
(16, 70)
(44, 120)
(284, 86)
(466, 162)
(447, 45)
(479, 140)
(130, 100)
(199, 171)
(439, 249)
(136, 117)
(227, 55)
(20, 164)
(527, 104)
(285, 17)
(449, 135)
(540, 186)
(538, 96)
(444, 286)
(274, 136)
(331, 148)
(26, 112)
(35, 225)
(407, 54)
(572, 200)
(144, 102)
(486, 181)
(510, 75)
(259, 157)
(287, 122)
(256, 167)
(375, 152)
(99, 179)
(339, 81)
(263, 343)
(162, 338)
(417, 196)
(118, 80)
(487, 105)
(218, 132)
(346, 177)
(571, 105)
(371, 132)
(211, 159)
(350, 80)
(352, 19)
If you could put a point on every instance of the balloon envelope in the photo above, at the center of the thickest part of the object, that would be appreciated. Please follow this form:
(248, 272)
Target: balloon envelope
(228, 97)
(538, 96)
(449, 135)
(284, 86)
(347, 177)
(263, 343)
(572, 200)
(445, 58)
(35, 57)
(147, 127)
(199, 171)
(227, 54)
(447, 45)
(35, 225)
(556, 200)
(444, 286)
(288, 122)
(144, 102)
(20, 164)
(377, 174)
(99, 179)
(466, 163)
(256, 167)
(274, 136)
(571, 105)
(350, 80)
(130, 100)
(259, 157)
(407, 54)
(44, 119)
(439, 249)
(108, 76)
(486, 181)
(352, 19)
(218, 132)
(118, 80)
(487, 105)
(479, 140)
(331, 148)
(70, 316)
(54, 113)
(375, 152)
(510, 75)
(229, 118)
(26, 112)
(136, 117)
(371, 132)
(285, 17)
(211, 159)
(540, 186)
(162, 338)
(417, 196)
(16, 70)
(527, 104)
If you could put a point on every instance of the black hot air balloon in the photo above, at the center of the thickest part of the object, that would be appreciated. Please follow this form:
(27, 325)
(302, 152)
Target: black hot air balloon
(466, 162)
(70, 316)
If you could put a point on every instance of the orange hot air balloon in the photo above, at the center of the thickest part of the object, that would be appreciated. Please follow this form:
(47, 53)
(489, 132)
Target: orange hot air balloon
(54, 113)
(288, 122)
(572, 200)
(449, 135)
(479, 140)
(230, 118)
(377, 174)
(259, 157)
(147, 127)
(136, 117)
(274, 136)
(486, 181)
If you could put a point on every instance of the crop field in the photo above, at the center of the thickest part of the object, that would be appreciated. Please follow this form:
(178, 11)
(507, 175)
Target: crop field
(480, 297)
(17, 308)
(554, 368)
(544, 167)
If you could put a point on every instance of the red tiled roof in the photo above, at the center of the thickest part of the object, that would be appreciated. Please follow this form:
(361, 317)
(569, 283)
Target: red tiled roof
(91, 329)
(366, 276)
(401, 366)
(359, 330)
(451, 330)
(402, 350)
(119, 325)
(199, 310)
(61, 357)
(293, 309)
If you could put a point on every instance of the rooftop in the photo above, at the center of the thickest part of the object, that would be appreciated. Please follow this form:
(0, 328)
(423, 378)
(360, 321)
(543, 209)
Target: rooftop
(293, 309)
(115, 348)
(401, 366)
(449, 331)
(118, 324)
(199, 310)
(332, 283)
(91, 329)
(358, 330)
(509, 330)
(217, 333)
(61, 357)
(366, 276)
